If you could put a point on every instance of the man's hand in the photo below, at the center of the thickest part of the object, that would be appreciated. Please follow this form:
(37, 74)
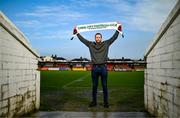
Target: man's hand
(119, 28)
(75, 31)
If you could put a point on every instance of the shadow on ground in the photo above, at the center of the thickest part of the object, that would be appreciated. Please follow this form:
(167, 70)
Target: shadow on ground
(77, 99)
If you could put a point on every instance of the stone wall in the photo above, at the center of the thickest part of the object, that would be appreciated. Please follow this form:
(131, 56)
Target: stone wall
(19, 78)
(162, 75)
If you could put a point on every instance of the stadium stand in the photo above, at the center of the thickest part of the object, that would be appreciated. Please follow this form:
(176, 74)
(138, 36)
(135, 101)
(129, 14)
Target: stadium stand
(84, 64)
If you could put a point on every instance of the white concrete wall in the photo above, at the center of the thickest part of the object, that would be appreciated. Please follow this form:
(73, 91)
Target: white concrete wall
(19, 78)
(162, 76)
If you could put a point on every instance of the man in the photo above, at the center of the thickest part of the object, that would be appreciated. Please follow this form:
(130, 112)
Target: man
(99, 55)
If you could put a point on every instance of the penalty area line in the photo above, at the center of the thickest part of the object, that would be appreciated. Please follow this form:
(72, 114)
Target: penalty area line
(79, 79)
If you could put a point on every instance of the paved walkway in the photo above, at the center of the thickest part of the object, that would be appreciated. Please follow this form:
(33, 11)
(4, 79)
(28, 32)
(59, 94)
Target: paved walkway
(62, 114)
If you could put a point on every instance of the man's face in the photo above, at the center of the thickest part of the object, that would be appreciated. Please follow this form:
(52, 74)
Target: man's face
(98, 38)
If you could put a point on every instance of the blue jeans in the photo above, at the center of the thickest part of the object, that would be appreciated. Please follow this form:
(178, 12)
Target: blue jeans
(95, 73)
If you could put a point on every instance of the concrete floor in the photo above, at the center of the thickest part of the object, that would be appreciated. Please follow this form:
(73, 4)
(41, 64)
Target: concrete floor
(62, 114)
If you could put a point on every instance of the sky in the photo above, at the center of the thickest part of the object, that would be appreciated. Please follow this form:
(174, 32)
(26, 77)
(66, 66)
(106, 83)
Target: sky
(48, 24)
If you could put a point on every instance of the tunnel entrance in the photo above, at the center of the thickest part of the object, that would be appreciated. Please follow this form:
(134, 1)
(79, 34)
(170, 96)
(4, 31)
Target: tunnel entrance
(20, 79)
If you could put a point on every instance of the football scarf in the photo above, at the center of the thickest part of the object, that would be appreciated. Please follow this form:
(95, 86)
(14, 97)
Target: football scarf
(97, 26)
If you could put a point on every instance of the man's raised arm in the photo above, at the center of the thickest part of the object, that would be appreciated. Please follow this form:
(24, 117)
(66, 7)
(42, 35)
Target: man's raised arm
(83, 40)
(113, 38)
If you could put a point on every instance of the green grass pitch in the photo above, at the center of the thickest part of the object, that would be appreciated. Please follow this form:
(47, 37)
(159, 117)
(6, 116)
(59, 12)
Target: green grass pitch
(71, 91)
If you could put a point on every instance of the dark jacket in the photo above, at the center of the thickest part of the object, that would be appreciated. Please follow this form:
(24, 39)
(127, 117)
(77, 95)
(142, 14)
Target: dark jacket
(99, 52)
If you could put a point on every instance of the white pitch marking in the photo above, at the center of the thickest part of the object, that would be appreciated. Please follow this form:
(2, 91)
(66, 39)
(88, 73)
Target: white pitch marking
(79, 79)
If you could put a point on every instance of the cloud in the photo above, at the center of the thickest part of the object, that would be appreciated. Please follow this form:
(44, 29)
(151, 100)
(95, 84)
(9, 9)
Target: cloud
(86, 3)
(28, 23)
(55, 12)
(151, 14)
(141, 15)
(46, 22)
(58, 35)
(49, 17)
(145, 15)
(49, 22)
(37, 24)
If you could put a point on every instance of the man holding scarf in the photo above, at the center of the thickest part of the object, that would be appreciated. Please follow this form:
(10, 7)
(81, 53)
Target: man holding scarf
(99, 55)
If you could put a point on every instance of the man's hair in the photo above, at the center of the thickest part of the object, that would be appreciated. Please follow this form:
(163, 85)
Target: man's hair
(98, 34)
